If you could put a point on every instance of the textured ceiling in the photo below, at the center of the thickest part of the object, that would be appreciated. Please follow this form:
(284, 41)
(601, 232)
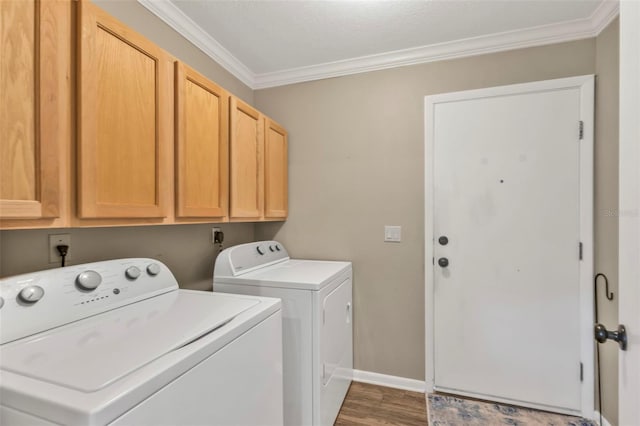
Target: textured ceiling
(274, 36)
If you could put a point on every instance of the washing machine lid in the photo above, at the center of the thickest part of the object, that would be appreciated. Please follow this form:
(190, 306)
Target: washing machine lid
(293, 273)
(90, 354)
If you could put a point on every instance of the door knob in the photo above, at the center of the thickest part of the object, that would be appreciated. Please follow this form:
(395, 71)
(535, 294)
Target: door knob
(443, 261)
(620, 335)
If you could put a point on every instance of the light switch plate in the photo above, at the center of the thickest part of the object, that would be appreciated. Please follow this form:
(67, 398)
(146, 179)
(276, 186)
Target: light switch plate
(392, 234)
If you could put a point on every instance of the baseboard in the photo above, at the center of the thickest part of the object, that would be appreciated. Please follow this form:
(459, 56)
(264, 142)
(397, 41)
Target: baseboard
(388, 381)
(596, 417)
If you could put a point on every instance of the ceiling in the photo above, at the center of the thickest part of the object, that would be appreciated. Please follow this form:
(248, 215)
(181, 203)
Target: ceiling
(269, 43)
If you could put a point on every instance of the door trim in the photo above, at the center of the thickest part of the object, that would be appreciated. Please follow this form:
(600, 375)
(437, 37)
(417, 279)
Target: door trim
(586, 85)
(629, 213)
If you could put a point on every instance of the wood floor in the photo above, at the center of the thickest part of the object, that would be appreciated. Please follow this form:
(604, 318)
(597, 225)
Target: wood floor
(373, 405)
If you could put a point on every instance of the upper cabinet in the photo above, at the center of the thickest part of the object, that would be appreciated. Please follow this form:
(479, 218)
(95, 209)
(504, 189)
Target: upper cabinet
(34, 111)
(131, 137)
(258, 165)
(246, 165)
(275, 171)
(202, 146)
(124, 120)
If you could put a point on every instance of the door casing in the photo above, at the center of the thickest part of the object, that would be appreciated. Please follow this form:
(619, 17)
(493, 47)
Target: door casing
(586, 86)
(629, 214)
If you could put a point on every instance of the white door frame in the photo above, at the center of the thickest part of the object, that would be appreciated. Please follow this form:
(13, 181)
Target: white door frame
(586, 86)
(629, 213)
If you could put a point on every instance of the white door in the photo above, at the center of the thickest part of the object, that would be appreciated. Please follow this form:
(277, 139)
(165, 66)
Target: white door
(629, 278)
(511, 311)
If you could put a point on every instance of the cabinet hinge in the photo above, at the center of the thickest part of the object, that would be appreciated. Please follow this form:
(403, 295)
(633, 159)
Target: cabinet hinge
(581, 129)
(581, 372)
(580, 250)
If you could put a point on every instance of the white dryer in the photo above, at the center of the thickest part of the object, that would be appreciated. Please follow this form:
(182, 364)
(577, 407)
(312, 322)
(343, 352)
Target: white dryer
(317, 323)
(118, 343)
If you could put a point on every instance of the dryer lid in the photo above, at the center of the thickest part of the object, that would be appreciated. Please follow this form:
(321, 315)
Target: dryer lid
(90, 354)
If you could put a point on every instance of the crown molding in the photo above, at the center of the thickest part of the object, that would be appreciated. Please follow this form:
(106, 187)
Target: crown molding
(604, 15)
(185, 26)
(530, 37)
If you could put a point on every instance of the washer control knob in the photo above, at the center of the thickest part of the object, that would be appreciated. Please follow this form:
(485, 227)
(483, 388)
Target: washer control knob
(132, 272)
(1, 302)
(31, 294)
(88, 280)
(272, 249)
(260, 250)
(277, 247)
(153, 269)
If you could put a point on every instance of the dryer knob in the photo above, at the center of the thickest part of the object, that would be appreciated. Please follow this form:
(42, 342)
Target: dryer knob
(88, 280)
(153, 269)
(272, 249)
(277, 247)
(132, 272)
(260, 250)
(31, 294)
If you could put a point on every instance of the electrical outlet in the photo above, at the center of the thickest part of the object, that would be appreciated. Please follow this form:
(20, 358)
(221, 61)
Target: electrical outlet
(214, 232)
(56, 240)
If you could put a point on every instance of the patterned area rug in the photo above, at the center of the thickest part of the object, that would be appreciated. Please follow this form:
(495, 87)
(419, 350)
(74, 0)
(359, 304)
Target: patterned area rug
(445, 410)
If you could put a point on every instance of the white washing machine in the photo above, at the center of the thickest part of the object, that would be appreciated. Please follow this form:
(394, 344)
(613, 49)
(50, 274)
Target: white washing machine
(317, 323)
(118, 343)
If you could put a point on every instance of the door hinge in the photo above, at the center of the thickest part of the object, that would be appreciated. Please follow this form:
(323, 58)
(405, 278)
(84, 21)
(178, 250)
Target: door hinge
(581, 372)
(581, 129)
(580, 250)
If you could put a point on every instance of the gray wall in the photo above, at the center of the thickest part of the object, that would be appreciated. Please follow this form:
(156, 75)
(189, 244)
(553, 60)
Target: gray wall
(186, 249)
(356, 164)
(606, 200)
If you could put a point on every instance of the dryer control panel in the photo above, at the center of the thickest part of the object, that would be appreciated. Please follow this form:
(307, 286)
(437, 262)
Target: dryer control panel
(38, 301)
(243, 258)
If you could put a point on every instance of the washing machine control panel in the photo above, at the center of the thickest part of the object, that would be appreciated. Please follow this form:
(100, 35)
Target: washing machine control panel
(38, 301)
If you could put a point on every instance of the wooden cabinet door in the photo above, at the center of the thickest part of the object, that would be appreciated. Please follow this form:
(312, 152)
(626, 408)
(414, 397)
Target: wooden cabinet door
(275, 170)
(34, 105)
(202, 136)
(246, 164)
(125, 120)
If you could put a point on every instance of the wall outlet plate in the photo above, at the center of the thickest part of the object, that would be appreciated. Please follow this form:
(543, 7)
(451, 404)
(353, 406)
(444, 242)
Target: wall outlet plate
(56, 240)
(214, 231)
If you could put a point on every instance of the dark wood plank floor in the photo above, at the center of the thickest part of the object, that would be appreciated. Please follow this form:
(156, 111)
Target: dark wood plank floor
(373, 405)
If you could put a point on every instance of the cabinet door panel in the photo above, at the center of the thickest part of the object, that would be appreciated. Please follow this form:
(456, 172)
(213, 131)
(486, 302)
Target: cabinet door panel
(32, 78)
(124, 117)
(275, 171)
(246, 144)
(202, 145)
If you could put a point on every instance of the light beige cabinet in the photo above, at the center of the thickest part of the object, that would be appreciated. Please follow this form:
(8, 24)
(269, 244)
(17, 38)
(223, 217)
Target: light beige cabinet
(258, 165)
(155, 142)
(202, 146)
(34, 111)
(124, 120)
(246, 166)
(275, 171)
